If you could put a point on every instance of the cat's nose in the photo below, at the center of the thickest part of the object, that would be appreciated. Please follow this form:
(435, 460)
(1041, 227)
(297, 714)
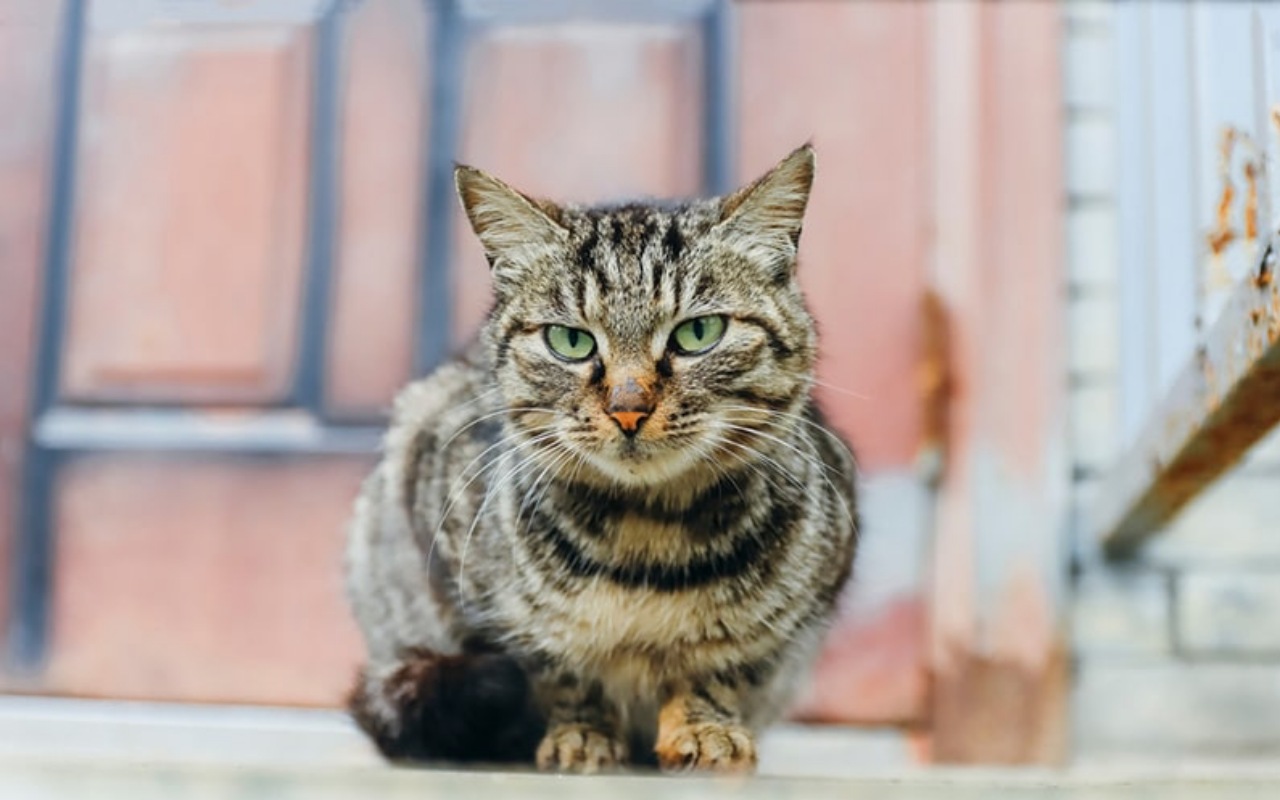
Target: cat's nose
(630, 404)
(629, 421)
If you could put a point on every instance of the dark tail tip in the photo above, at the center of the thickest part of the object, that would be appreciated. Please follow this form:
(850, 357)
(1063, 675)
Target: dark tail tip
(466, 708)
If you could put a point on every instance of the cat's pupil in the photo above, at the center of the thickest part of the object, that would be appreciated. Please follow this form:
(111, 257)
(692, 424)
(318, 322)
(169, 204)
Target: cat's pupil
(573, 338)
(697, 329)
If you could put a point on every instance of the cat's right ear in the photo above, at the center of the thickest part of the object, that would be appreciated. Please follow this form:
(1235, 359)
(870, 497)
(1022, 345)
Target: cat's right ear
(514, 229)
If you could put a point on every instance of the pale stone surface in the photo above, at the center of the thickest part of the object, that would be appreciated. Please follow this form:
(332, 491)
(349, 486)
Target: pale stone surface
(43, 781)
(1095, 425)
(1093, 245)
(1168, 709)
(1087, 12)
(60, 749)
(1265, 455)
(1091, 154)
(1119, 612)
(215, 737)
(1094, 344)
(1230, 612)
(1088, 63)
(1232, 523)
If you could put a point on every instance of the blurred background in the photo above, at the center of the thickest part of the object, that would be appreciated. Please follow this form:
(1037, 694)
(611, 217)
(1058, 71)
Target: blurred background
(1038, 249)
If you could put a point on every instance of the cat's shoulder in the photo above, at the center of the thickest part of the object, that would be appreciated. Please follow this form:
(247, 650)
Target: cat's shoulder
(452, 394)
(460, 379)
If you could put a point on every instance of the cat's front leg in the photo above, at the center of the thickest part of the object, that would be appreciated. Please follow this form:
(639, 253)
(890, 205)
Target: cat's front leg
(700, 727)
(582, 726)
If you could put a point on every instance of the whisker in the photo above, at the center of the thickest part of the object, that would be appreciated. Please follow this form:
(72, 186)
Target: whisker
(841, 390)
(454, 495)
(810, 458)
(563, 455)
(806, 458)
(752, 455)
(801, 419)
(750, 459)
(499, 412)
(488, 494)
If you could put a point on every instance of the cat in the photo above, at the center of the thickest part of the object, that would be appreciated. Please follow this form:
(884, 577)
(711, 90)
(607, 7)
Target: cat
(613, 531)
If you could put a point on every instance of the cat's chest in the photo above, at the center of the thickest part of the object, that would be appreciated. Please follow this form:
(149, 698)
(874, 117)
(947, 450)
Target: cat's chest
(646, 592)
(605, 623)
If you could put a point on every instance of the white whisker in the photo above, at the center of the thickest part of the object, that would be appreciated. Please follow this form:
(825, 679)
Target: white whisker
(841, 390)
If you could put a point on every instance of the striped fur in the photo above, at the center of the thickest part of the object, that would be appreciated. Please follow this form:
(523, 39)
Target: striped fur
(661, 592)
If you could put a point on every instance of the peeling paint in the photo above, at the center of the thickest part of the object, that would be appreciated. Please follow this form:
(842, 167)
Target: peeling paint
(1221, 404)
(1251, 201)
(1223, 234)
(1234, 146)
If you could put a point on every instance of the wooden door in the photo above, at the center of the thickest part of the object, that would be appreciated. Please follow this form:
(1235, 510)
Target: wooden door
(253, 243)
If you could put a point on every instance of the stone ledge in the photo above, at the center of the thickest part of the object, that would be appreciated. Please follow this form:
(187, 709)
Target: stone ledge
(1121, 612)
(1173, 709)
(1229, 613)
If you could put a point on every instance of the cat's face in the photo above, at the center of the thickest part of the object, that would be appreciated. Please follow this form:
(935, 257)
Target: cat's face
(644, 341)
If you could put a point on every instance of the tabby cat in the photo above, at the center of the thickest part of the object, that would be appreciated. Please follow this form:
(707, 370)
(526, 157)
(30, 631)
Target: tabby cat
(613, 531)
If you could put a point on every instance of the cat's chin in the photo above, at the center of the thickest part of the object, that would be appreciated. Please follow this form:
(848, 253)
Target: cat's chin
(641, 469)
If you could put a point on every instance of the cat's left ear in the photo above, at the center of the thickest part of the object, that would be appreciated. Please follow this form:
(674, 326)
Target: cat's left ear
(764, 218)
(514, 229)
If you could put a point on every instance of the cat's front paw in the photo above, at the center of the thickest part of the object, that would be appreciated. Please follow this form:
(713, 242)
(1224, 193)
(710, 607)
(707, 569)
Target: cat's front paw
(717, 746)
(579, 748)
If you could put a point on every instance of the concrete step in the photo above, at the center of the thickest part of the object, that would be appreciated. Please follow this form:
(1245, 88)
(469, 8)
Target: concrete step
(88, 749)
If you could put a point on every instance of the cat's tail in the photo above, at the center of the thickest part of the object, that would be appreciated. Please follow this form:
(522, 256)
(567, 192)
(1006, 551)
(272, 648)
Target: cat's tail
(474, 707)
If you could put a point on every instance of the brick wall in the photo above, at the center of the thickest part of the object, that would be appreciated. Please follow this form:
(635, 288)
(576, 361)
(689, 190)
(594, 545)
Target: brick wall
(1178, 652)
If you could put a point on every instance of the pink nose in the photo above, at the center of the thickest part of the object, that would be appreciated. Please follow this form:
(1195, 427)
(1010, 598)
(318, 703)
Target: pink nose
(631, 401)
(629, 421)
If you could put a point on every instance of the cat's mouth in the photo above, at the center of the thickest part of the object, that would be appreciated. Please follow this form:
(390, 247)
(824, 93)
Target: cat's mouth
(639, 461)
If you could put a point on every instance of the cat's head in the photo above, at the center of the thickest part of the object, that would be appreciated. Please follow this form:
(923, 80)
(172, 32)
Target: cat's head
(647, 340)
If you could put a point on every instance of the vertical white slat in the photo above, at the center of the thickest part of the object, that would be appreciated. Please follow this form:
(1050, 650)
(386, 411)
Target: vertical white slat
(1133, 191)
(1176, 239)
(1223, 46)
(1266, 99)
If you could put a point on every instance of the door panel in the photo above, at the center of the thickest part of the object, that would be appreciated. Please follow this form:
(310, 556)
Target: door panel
(384, 123)
(580, 112)
(215, 576)
(203, 579)
(189, 214)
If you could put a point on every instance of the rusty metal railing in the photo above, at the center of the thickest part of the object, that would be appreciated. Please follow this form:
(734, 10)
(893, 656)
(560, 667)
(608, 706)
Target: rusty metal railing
(1198, 123)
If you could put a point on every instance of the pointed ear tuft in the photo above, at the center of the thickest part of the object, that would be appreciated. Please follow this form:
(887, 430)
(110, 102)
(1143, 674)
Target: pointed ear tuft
(512, 227)
(767, 215)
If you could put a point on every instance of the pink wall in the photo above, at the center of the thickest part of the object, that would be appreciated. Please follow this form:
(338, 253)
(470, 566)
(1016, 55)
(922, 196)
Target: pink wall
(938, 131)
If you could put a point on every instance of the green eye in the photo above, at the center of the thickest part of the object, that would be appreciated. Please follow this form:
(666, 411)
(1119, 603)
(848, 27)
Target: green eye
(699, 334)
(570, 344)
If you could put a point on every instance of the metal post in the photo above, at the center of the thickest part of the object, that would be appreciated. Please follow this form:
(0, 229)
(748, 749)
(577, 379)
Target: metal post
(29, 613)
(435, 284)
(322, 222)
(718, 149)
